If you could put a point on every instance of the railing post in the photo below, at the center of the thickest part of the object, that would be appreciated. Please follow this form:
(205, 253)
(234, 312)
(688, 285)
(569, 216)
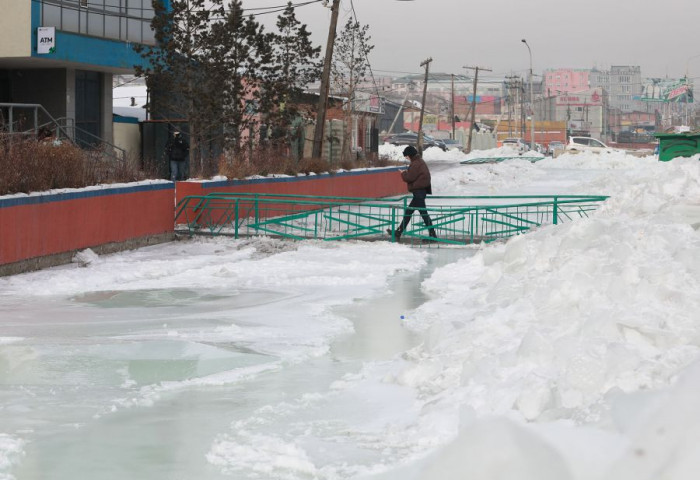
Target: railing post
(554, 212)
(257, 211)
(473, 218)
(393, 223)
(235, 216)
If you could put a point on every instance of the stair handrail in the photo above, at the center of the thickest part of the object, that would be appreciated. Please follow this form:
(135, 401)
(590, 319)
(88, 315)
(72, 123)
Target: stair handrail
(60, 128)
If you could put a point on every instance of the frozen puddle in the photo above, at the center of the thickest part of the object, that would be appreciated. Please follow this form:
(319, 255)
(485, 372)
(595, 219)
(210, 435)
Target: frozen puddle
(175, 296)
(175, 383)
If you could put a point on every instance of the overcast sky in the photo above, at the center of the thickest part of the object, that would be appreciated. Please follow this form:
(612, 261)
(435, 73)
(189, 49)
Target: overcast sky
(660, 37)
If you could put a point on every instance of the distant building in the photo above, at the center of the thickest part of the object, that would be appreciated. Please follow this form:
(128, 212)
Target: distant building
(624, 87)
(564, 80)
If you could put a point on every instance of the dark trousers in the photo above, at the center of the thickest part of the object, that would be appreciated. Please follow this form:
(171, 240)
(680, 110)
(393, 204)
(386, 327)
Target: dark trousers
(418, 202)
(177, 170)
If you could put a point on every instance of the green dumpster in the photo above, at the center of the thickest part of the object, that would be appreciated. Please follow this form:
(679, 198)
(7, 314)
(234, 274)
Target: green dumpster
(672, 145)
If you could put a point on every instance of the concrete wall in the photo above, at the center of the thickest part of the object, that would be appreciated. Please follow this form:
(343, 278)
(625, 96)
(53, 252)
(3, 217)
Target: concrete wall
(374, 183)
(42, 230)
(15, 28)
(46, 229)
(127, 135)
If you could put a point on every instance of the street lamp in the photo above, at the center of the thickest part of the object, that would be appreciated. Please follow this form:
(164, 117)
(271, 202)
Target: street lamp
(532, 103)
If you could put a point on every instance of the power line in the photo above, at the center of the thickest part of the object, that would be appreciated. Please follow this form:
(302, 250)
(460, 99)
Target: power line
(369, 65)
(116, 10)
(283, 6)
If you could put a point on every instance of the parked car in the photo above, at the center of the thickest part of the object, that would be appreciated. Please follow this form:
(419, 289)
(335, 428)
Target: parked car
(412, 139)
(453, 144)
(517, 144)
(555, 148)
(587, 144)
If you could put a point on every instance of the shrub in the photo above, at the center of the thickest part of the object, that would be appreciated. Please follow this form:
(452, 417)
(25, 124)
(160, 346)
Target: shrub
(313, 165)
(28, 166)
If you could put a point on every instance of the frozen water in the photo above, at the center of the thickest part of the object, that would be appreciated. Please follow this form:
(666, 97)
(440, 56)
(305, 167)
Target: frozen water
(204, 381)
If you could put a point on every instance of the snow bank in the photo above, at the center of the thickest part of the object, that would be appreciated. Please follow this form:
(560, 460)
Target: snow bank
(564, 327)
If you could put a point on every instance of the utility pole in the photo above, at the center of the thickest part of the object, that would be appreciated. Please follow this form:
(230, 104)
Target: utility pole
(471, 122)
(426, 64)
(325, 83)
(452, 107)
(532, 100)
(521, 92)
(409, 87)
(511, 83)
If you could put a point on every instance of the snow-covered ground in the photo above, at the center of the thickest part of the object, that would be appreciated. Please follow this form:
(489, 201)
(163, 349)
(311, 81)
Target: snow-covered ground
(570, 352)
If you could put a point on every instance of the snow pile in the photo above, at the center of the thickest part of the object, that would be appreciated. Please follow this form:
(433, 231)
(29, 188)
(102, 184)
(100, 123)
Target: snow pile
(85, 257)
(395, 152)
(11, 452)
(487, 178)
(568, 327)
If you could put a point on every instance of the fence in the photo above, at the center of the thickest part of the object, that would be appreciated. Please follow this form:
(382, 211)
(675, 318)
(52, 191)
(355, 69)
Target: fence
(457, 219)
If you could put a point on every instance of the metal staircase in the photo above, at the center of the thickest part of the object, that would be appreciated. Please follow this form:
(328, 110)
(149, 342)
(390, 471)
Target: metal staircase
(15, 121)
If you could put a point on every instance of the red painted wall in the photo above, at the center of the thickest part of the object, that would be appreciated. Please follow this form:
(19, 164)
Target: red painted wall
(40, 225)
(366, 184)
(374, 183)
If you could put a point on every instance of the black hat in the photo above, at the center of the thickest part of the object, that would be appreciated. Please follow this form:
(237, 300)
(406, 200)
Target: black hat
(410, 151)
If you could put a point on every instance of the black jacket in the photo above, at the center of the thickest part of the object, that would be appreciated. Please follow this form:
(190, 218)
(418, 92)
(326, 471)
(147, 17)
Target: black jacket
(177, 149)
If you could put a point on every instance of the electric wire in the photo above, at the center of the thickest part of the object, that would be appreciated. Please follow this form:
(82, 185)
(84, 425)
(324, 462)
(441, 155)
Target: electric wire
(369, 65)
(103, 8)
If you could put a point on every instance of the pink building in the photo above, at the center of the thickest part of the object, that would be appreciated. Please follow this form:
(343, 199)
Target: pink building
(565, 80)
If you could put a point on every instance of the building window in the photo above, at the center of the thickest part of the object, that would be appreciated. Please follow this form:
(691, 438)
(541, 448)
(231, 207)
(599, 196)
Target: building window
(126, 20)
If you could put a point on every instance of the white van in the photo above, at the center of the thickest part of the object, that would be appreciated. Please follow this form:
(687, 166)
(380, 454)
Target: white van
(517, 144)
(587, 144)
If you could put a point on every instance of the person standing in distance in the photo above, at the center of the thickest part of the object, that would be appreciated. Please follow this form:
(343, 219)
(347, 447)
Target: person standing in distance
(177, 150)
(417, 178)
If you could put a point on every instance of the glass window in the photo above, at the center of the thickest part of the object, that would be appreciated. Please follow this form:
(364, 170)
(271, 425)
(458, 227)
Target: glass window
(112, 26)
(95, 24)
(134, 30)
(82, 22)
(52, 16)
(102, 18)
(69, 20)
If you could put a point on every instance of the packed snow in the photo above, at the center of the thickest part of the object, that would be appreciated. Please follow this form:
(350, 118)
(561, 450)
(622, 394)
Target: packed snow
(567, 353)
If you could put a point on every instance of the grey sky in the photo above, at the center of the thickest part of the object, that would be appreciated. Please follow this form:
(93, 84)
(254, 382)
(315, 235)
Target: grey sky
(660, 37)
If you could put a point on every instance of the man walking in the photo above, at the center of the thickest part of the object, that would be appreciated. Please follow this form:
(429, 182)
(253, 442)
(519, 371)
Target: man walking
(177, 150)
(417, 178)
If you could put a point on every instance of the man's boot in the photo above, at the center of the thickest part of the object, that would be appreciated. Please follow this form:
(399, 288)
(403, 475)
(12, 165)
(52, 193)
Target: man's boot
(432, 234)
(397, 233)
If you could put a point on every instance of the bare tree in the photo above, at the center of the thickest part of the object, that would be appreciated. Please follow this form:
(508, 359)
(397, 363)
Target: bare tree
(349, 68)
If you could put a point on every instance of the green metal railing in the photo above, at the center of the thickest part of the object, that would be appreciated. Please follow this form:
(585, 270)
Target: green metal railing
(476, 161)
(457, 219)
